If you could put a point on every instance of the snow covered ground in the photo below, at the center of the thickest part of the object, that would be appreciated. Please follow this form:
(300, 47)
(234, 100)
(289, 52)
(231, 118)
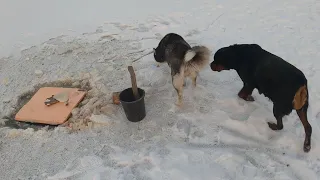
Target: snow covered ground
(215, 136)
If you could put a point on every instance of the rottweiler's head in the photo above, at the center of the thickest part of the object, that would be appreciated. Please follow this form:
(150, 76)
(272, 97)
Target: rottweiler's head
(158, 56)
(224, 59)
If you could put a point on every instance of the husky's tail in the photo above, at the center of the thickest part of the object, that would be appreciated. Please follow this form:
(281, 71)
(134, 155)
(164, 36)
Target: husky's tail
(189, 55)
(197, 57)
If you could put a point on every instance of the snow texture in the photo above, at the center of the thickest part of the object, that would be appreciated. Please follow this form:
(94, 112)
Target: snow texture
(214, 136)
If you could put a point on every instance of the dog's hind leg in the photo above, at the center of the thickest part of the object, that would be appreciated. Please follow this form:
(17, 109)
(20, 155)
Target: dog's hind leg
(300, 104)
(302, 113)
(193, 77)
(178, 81)
(245, 93)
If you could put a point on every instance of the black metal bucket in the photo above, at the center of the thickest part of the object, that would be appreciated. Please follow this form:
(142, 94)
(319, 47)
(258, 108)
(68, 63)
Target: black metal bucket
(134, 109)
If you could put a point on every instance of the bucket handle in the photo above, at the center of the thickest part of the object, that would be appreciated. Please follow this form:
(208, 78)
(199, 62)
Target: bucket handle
(133, 82)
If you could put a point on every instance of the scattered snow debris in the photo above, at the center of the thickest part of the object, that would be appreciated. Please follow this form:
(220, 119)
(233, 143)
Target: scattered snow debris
(3, 121)
(86, 76)
(76, 84)
(100, 119)
(38, 72)
(75, 111)
(84, 102)
(6, 100)
(107, 110)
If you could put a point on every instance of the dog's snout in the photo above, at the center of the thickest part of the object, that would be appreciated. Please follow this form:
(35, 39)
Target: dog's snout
(213, 66)
(216, 67)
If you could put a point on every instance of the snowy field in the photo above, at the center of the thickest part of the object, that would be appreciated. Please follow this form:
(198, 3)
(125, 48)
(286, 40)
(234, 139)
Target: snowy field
(215, 136)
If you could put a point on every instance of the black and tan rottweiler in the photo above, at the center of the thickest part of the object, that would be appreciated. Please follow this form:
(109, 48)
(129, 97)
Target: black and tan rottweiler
(284, 84)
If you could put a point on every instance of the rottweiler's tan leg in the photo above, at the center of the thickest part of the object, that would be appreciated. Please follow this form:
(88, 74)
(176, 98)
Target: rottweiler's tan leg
(302, 113)
(300, 104)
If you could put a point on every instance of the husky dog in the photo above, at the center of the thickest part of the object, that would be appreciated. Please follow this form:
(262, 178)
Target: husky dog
(184, 60)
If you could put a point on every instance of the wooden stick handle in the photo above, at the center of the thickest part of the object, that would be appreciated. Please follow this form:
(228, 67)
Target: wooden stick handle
(133, 82)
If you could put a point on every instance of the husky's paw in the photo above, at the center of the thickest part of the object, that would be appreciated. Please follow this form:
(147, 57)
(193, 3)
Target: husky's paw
(199, 87)
(178, 104)
(174, 108)
(184, 83)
